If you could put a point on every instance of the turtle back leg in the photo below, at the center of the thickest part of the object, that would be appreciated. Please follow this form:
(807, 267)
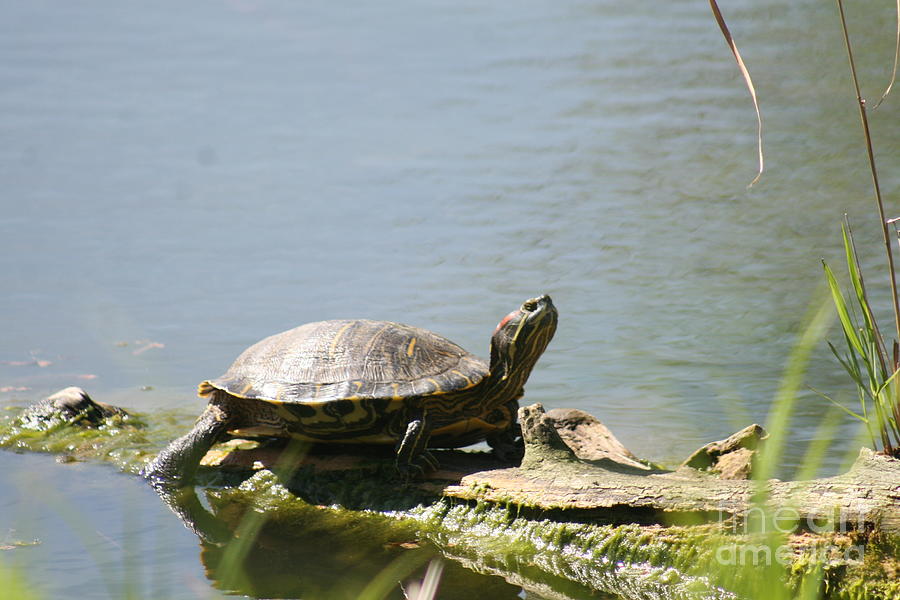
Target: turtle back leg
(176, 465)
(507, 444)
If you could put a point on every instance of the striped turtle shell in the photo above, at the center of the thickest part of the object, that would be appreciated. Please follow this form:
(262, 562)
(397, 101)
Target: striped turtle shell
(349, 360)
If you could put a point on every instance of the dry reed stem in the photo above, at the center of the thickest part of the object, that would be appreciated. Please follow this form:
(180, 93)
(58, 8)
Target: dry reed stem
(746, 75)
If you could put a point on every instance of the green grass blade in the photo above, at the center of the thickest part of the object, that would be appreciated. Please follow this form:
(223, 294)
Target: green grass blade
(888, 382)
(851, 368)
(841, 306)
(841, 406)
(855, 277)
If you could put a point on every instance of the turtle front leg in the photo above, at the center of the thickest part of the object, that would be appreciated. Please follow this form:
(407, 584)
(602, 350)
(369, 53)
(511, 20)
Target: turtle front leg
(176, 465)
(412, 457)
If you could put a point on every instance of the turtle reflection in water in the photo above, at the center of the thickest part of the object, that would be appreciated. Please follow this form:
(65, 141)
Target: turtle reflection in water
(371, 382)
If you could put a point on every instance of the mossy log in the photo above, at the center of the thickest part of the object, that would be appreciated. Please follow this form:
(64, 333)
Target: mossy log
(574, 466)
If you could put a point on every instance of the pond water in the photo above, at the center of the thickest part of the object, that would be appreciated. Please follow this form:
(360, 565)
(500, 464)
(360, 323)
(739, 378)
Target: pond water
(180, 180)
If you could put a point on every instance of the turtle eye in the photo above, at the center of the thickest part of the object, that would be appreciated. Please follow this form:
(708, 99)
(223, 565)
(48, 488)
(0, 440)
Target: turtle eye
(529, 305)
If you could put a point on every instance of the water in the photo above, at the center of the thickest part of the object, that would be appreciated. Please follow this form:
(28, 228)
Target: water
(180, 180)
(81, 541)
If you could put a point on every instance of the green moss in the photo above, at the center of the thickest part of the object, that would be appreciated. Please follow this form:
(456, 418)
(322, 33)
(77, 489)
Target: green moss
(876, 575)
(695, 558)
(265, 494)
(610, 558)
(127, 441)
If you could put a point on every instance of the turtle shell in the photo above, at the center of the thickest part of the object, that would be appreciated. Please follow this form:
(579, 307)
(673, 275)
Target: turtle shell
(329, 361)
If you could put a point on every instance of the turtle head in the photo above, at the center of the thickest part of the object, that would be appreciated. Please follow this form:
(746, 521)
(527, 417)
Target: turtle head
(520, 339)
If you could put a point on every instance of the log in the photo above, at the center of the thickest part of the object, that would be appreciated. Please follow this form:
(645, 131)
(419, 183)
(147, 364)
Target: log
(551, 478)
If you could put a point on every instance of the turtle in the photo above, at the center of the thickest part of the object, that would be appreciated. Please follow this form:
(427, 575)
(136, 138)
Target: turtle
(369, 382)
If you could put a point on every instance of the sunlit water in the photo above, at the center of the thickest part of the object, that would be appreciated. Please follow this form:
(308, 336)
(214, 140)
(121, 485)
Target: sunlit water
(181, 179)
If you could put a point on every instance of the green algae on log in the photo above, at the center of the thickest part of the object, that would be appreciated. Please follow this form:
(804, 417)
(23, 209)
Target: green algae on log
(694, 562)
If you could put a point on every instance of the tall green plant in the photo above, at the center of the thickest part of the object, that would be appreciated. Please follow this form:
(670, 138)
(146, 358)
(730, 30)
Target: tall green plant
(871, 365)
(867, 359)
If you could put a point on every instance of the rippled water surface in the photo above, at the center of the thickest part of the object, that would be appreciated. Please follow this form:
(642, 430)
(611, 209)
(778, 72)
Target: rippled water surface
(181, 179)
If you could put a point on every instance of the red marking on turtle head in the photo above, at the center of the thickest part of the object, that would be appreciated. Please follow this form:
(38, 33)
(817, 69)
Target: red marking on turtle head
(506, 320)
